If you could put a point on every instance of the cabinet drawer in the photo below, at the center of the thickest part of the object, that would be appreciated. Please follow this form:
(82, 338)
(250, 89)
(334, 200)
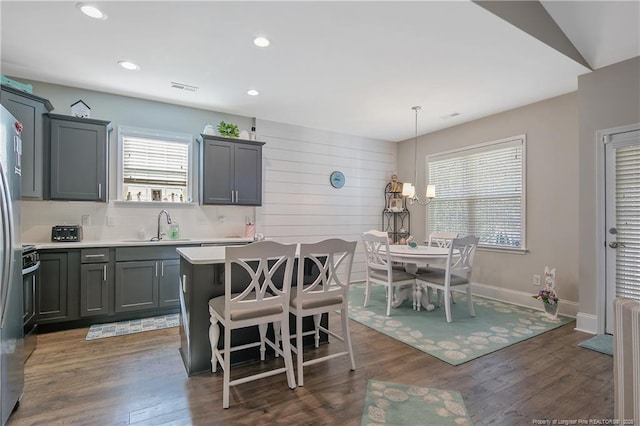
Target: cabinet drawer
(97, 255)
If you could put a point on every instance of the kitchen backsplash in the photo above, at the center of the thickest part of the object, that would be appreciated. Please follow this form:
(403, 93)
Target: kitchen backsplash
(117, 221)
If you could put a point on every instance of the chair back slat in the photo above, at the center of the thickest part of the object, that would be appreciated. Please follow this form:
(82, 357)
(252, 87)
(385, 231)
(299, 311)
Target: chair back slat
(441, 239)
(461, 254)
(261, 261)
(376, 247)
(333, 258)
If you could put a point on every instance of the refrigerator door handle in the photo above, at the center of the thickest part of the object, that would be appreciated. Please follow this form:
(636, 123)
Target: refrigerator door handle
(7, 241)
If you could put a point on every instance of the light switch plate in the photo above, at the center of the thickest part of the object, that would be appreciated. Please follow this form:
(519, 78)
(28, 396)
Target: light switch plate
(111, 221)
(86, 220)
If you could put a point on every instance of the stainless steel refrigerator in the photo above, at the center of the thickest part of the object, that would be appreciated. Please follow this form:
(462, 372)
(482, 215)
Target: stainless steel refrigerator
(11, 303)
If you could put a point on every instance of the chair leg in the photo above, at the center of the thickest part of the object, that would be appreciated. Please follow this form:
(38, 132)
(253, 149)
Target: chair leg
(447, 304)
(263, 337)
(367, 291)
(277, 336)
(299, 349)
(316, 324)
(226, 368)
(214, 337)
(472, 311)
(389, 299)
(417, 295)
(346, 333)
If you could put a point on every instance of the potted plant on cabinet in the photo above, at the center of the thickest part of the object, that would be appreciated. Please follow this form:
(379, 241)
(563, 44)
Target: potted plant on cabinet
(229, 130)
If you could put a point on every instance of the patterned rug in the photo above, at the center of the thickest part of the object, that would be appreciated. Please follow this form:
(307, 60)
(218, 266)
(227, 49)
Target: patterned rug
(395, 404)
(495, 326)
(601, 343)
(99, 331)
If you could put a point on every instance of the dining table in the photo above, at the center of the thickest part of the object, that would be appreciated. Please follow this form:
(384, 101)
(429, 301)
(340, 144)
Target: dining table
(412, 258)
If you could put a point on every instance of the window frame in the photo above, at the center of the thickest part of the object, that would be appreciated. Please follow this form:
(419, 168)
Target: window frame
(186, 138)
(517, 140)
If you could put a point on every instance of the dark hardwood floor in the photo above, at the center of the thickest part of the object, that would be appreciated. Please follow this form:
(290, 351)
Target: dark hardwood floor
(140, 379)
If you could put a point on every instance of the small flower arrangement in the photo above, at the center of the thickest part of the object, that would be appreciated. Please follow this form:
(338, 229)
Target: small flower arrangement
(548, 295)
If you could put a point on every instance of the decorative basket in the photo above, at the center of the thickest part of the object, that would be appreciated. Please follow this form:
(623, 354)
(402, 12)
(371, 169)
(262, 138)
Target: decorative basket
(551, 310)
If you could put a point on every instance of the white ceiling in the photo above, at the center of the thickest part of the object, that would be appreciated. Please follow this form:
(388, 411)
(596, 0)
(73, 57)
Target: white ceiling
(349, 67)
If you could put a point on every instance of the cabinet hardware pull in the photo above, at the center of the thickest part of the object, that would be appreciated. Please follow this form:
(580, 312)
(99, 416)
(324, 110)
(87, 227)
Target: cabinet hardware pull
(184, 283)
(236, 197)
(99, 190)
(156, 269)
(104, 272)
(162, 269)
(94, 255)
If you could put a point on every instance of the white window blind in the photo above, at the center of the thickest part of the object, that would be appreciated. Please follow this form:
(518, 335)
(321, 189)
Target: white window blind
(154, 165)
(155, 162)
(628, 222)
(480, 191)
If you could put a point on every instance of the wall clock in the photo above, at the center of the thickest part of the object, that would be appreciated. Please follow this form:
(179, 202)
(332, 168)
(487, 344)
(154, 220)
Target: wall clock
(337, 179)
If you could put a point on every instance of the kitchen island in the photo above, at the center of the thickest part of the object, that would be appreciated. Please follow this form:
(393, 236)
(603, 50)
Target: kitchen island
(202, 278)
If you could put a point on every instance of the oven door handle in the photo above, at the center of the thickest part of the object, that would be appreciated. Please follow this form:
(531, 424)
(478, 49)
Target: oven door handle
(31, 269)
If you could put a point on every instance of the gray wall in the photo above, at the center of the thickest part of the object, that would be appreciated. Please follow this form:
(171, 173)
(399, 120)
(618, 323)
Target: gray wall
(551, 129)
(607, 98)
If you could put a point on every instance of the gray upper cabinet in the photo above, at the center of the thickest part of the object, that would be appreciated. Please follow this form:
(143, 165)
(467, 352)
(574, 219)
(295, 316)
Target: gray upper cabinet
(230, 171)
(78, 158)
(29, 110)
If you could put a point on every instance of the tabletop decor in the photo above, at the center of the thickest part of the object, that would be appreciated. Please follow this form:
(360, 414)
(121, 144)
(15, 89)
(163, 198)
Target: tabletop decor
(495, 326)
(229, 130)
(397, 404)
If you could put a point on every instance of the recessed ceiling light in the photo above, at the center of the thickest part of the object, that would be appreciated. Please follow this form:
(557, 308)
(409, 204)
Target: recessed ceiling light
(91, 11)
(252, 92)
(128, 65)
(261, 42)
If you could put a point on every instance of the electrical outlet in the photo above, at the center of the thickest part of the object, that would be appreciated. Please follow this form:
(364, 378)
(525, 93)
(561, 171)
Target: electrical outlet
(111, 221)
(86, 220)
(536, 279)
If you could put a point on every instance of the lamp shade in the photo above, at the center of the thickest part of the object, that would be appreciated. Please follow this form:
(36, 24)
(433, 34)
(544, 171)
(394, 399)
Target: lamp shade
(408, 190)
(431, 191)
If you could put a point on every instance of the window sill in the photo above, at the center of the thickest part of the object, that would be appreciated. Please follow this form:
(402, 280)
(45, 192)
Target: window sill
(164, 204)
(504, 250)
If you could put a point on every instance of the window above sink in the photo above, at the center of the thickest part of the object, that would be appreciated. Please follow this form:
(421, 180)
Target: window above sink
(154, 166)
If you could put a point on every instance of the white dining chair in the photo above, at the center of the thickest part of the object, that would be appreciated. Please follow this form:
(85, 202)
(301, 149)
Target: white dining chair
(332, 259)
(440, 239)
(380, 268)
(256, 300)
(456, 274)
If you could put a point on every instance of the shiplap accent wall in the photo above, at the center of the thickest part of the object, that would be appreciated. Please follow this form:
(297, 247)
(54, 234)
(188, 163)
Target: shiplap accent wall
(299, 203)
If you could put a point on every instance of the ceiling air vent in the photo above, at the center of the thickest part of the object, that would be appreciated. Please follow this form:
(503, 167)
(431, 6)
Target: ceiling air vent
(182, 86)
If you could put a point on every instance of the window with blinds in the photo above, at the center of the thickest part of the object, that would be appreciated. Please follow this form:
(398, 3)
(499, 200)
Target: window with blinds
(480, 191)
(628, 222)
(155, 166)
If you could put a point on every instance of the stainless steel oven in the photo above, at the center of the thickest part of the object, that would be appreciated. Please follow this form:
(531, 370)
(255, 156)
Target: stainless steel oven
(30, 266)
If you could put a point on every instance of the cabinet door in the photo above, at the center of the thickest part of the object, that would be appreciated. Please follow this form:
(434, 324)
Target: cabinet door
(78, 161)
(52, 291)
(30, 113)
(136, 285)
(169, 285)
(94, 289)
(217, 172)
(248, 174)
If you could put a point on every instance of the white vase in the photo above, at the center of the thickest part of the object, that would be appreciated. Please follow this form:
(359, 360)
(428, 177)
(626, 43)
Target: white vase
(551, 310)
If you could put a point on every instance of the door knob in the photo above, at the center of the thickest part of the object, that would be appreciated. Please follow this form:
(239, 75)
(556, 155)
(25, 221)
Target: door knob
(615, 244)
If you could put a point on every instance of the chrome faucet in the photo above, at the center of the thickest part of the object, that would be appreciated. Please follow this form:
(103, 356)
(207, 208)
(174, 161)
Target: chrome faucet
(160, 234)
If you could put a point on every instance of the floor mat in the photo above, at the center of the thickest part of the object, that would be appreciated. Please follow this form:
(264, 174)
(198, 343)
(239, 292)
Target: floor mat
(99, 331)
(601, 343)
(495, 326)
(395, 404)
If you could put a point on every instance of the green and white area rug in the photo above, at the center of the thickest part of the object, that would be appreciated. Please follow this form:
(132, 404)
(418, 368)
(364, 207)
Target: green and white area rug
(395, 404)
(495, 326)
(600, 343)
(99, 331)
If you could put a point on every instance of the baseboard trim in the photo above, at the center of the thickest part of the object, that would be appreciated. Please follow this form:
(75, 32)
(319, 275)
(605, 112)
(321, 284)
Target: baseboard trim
(587, 323)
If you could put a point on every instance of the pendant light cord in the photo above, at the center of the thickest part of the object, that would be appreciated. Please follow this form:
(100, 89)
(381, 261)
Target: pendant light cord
(415, 148)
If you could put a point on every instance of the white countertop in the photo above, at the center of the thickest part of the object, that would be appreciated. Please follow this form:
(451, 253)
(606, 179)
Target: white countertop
(202, 255)
(133, 242)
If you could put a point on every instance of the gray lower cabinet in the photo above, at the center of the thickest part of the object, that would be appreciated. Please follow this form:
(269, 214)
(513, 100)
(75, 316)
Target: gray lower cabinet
(58, 285)
(78, 153)
(96, 282)
(136, 285)
(230, 171)
(29, 110)
(169, 284)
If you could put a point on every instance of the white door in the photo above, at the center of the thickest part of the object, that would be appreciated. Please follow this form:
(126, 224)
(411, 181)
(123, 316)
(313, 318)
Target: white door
(622, 219)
